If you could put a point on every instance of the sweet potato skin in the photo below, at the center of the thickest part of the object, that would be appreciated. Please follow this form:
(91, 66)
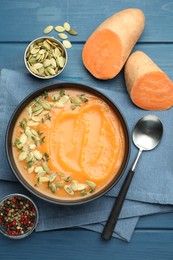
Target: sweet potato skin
(127, 26)
(148, 86)
(136, 66)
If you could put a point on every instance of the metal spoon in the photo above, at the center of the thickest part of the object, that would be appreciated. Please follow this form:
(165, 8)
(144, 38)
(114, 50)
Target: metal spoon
(146, 136)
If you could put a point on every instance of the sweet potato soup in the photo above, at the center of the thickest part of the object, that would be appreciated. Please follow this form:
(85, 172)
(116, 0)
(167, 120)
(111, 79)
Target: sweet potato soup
(68, 144)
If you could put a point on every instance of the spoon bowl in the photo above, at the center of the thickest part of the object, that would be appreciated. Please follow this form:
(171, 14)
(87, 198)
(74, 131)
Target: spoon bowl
(147, 132)
(146, 136)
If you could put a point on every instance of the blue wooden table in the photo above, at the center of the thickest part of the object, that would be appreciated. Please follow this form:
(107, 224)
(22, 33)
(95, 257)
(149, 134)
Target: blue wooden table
(20, 22)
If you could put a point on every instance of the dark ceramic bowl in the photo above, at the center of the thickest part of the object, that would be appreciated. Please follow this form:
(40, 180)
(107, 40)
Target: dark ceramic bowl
(26, 228)
(60, 86)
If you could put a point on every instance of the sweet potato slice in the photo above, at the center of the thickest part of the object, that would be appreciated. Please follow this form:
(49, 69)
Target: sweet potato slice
(148, 86)
(109, 46)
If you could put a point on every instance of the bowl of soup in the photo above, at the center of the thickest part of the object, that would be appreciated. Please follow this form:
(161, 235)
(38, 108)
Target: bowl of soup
(68, 143)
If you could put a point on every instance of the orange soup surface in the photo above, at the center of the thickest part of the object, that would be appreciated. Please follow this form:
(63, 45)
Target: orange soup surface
(68, 144)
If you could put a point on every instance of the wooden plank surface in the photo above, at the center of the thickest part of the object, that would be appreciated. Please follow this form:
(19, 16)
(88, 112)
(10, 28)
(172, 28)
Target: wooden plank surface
(25, 20)
(78, 244)
(20, 22)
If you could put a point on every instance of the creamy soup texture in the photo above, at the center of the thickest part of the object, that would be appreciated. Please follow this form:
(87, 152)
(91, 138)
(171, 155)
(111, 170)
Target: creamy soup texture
(68, 144)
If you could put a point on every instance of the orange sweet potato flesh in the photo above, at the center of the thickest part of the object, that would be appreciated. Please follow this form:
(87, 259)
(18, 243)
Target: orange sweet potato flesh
(107, 49)
(148, 86)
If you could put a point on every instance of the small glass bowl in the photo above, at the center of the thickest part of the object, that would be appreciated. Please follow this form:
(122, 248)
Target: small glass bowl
(47, 53)
(18, 216)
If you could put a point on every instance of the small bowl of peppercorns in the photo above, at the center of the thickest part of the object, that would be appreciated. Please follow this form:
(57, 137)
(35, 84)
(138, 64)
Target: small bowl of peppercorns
(18, 216)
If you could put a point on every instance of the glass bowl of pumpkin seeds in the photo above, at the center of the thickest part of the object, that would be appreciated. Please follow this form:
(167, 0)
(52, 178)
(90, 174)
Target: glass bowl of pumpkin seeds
(45, 57)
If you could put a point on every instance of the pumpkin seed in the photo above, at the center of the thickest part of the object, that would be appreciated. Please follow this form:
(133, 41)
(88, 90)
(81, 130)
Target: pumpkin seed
(83, 193)
(61, 61)
(91, 184)
(29, 111)
(34, 132)
(67, 44)
(22, 156)
(37, 155)
(59, 28)
(59, 104)
(45, 105)
(59, 184)
(46, 45)
(38, 112)
(39, 169)
(64, 99)
(67, 26)
(48, 29)
(62, 36)
(36, 108)
(53, 187)
(23, 139)
(45, 112)
(37, 66)
(35, 50)
(29, 157)
(73, 32)
(68, 189)
(43, 179)
(52, 177)
(41, 174)
(51, 71)
(31, 146)
(81, 186)
(18, 144)
(56, 97)
(74, 185)
(53, 62)
(31, 169)
(35, 118)
(32, 123)
(45, 167)
(46, 63)
(28, 132)
(76, 100)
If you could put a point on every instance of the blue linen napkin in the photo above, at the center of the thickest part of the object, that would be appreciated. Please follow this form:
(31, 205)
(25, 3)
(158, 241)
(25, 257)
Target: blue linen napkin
(14, 87)
(91, 216)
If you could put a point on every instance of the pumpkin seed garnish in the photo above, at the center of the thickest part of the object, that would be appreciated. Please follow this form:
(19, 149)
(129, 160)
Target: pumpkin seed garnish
(67, 26)
(59, 28)
(22, 156)
(45, 167)
(59, 184)
(81, 186)
(73, 32)
(23, 139)
(62, 36)
(83, 193)
(48, 29)
(92, 185)
(39, 169)
(17, 143)
(69, 190)
(31, 169)
(67, 44)
(74, 185)
(43, 179)
(37, 155)
(53, 187)
(52, 177)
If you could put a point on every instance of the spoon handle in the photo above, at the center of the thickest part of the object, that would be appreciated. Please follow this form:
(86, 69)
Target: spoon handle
(112, 220)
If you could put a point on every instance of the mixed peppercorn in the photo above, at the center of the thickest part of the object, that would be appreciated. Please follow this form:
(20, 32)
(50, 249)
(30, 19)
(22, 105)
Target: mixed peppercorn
(17, 216)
